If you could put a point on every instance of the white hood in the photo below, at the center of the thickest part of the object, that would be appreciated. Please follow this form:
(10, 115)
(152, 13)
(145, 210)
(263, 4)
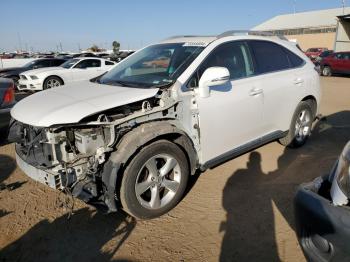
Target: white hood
(71, 103)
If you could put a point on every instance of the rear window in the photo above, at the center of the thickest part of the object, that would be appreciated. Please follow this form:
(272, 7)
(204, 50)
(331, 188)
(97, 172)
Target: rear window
(109, 63)
(269, 57)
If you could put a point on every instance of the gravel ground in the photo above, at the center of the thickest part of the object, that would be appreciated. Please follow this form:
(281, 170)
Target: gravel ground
(239, 211)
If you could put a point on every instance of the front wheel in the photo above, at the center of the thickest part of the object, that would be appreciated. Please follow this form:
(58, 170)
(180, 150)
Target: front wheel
(155, 180)
(300, 128)
(52, 81)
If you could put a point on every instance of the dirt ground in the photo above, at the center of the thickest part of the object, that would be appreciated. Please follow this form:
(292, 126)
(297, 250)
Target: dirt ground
(239, 211)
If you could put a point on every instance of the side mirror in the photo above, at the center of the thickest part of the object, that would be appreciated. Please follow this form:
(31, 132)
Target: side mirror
(213, 76)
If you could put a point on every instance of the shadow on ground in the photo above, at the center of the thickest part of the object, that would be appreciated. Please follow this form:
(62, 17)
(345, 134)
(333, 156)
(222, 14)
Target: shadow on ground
(7, 166)
(250, 194)
(79, 238)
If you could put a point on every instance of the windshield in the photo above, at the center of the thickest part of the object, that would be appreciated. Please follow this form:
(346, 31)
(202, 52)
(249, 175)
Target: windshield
(155, 65)
(69, 63)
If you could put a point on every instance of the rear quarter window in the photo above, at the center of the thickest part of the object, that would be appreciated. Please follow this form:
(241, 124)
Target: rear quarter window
(295, 60)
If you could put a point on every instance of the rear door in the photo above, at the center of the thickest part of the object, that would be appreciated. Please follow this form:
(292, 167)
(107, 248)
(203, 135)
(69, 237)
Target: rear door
(337, 63)
(282, 83)
(347, 63)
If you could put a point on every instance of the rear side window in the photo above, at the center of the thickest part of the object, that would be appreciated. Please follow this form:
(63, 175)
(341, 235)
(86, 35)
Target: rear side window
(42, 63)
(57, 62)
(269, 57)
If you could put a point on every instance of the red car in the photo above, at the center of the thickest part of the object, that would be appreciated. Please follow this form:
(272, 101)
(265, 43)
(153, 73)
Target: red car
(312, 53)
(337, 63)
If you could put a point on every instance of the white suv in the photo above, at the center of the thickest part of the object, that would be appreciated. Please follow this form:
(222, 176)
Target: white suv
(132, 137)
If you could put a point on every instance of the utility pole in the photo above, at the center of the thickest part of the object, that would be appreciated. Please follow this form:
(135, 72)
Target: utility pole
(343, 2)
(295, 6)
(19, 41)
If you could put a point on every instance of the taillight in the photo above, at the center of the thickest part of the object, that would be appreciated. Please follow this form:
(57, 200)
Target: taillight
(9, 96)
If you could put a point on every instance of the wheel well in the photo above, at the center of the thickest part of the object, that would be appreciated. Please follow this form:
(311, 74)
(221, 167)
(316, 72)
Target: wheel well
(52, 76)
(313, 103)
(181, 141)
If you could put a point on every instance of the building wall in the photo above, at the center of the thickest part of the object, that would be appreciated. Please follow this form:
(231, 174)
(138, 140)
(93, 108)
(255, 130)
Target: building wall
(314, 40)
(343, 38)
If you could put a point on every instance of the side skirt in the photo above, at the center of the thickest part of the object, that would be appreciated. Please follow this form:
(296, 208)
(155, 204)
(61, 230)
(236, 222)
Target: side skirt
(242, 149)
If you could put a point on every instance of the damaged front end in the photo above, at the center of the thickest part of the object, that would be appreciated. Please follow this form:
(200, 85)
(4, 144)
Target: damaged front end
(65, 158)
(72, 157)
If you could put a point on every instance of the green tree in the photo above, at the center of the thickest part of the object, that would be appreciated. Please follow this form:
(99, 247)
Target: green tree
(116, 46)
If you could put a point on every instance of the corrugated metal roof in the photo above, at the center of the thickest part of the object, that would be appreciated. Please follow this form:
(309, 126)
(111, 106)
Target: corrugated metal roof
(320, 18)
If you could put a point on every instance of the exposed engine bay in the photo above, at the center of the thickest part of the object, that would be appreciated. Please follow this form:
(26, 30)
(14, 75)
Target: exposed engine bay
(71, 158)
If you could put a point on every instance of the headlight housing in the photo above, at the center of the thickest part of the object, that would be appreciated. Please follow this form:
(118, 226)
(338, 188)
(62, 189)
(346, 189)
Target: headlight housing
(340, 191)
(34, 77)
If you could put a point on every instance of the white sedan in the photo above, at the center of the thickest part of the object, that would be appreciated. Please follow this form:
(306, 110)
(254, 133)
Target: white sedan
(76, 69)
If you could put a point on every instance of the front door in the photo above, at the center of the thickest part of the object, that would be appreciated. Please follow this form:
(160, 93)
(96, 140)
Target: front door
(87, 69)
(232, 115)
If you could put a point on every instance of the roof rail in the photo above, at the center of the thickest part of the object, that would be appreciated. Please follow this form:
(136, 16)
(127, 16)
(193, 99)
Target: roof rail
(183, 36)
(250, 32)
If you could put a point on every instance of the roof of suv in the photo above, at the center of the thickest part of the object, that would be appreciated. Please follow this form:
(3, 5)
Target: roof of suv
(205, 40)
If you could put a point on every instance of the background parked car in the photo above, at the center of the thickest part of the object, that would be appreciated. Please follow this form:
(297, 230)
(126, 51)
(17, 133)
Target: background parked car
(312, 53)
(76, 69)
(337, 63)
(7, 100)
(13, 72)
(84, 55)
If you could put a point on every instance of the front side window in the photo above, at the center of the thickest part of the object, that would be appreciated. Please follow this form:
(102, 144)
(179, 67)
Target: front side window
(70, 63)
(234, 56)
(88, 63)
(41, 63)
(269, 57)
(155, 65)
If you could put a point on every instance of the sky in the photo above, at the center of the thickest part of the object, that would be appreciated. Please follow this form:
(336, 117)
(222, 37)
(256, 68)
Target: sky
(43, 25)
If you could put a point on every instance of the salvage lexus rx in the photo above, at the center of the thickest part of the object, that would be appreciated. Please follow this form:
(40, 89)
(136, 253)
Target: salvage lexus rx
(131, 138)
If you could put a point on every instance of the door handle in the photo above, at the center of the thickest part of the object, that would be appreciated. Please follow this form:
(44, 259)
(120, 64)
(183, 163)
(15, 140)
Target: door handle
(298, 81)
(255, 91)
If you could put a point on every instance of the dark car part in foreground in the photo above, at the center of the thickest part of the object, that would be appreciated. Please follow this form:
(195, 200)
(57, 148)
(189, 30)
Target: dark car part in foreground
(323, 216)
(7, 100)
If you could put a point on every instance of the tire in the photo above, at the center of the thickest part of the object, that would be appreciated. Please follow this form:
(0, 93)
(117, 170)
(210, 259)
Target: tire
(138, 177)
(52, 81)
(299, 130)
(327, 71)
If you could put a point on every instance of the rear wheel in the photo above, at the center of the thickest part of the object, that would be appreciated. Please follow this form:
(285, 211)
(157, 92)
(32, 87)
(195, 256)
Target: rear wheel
(300, 128)
(154, 181)
(327, 71)
(52, 81)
